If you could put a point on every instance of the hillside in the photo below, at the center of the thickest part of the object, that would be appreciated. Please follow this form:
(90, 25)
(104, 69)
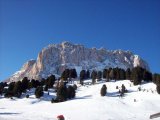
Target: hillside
(88, 104)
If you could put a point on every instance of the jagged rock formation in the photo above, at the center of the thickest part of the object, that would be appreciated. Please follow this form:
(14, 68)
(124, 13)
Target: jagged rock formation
(56, 57)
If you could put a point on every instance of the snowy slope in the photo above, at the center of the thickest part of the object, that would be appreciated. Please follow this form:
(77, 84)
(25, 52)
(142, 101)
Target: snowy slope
(88, 105)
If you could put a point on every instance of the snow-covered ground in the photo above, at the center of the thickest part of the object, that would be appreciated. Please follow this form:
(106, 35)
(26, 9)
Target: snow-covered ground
(88, 104)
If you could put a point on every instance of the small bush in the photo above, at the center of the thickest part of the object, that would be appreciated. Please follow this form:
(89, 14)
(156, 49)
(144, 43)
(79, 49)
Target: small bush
(103, 90)
(27, 96)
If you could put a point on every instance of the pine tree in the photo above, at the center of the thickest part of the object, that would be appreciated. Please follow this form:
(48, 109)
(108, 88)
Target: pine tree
(62, 94)
(158, 83)
(122, 74)
(9, 92)
(117, 74)
(123, 89)
(87, 74)
(103, 90)
(2, 85)
(33, 84)
(99, 75)
(107, 75)
(17, 90)
(158, 80)
(25, 84)
(46, 88)
(42, 82)
(11, 86)
(158, 89)
(72, 73)
(104, 73)
(94, 76)
(137, 75)
(75, 87)
(51, 81)
(155, 78)
(82, 76)
(70, 92)
(39, 92)
(65, 74)
(128, 74)
(112, 74)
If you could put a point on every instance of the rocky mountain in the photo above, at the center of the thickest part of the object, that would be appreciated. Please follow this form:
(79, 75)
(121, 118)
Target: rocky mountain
(54, 58)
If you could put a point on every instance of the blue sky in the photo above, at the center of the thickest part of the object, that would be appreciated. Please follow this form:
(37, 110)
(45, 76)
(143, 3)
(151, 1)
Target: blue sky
(26, 26)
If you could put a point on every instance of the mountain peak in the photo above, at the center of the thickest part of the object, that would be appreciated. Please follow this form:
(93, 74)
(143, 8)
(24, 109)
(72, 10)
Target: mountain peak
(54, 58)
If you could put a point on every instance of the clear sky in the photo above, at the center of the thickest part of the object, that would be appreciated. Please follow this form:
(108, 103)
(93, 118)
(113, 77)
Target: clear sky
(26, 26)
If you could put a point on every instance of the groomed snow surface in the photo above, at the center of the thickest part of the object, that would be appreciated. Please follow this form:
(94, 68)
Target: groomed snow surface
(88, 104)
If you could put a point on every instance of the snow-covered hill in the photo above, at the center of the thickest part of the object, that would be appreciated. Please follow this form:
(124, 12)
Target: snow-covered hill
(56, 57)
(88, 104)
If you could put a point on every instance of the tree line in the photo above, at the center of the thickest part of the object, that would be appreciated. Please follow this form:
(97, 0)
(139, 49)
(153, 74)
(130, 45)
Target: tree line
(136, 75)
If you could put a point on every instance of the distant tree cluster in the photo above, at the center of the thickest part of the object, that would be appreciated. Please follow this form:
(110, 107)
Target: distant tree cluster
(136, 75)
(64, 93)
(156, 80)
(15, 89)
(2, 87)
(68, 74)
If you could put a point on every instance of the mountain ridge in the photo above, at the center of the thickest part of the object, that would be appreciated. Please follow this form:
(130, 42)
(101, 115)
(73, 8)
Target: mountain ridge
(54, 58)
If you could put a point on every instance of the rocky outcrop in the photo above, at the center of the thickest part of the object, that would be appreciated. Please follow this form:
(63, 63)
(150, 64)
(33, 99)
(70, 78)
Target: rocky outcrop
(56, 57)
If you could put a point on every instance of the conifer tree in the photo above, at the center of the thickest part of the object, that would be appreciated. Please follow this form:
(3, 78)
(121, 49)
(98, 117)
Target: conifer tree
(87, 74)
(25, 84)
(11, 86)
(103, 90)
(70, 92)
(82, 76)
(17, 90)
(112, 74)
(137, 75)
(122, 74)
(158, 89)
(117, 74)
(99, 75)
(104, 73)
(128, 74)
(62, 94)
(107, 75)
(65, 74)
(94, 76)
(51, 81)
(46, 88)
(39, 92)
(123, 89)
(72, 73)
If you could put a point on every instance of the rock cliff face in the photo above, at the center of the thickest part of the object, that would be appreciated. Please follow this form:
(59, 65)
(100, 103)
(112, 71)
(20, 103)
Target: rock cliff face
(56, 57)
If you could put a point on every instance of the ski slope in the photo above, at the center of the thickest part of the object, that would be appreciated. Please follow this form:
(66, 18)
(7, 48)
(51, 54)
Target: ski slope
(88, 104)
